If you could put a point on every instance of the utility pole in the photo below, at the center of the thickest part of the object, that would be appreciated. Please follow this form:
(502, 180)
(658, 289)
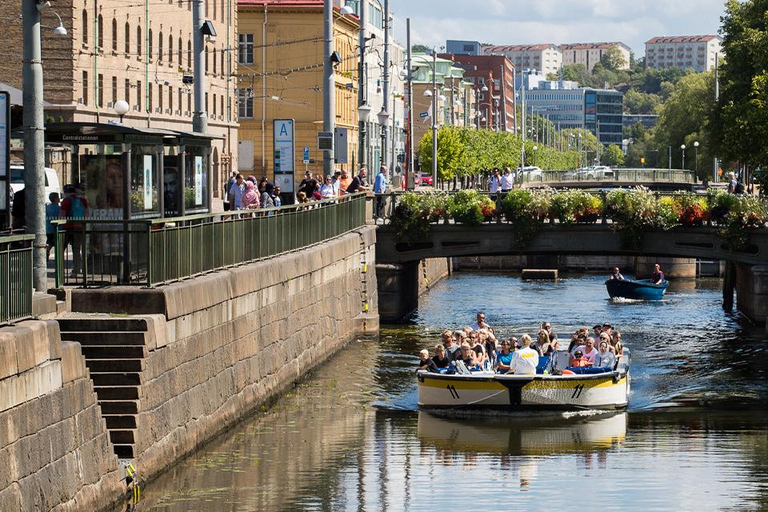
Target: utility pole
(409, 169)
(34, 152)
(434, 118)
(362, 84)
(715, 163)
(385, 85)
(522, 102)
(200, 119)
(329, 84)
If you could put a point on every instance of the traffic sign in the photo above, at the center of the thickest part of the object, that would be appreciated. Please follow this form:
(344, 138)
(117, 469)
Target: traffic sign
(306, 155)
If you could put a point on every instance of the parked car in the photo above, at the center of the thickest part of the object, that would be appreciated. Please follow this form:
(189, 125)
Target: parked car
(51, 181)
(596, 172)
(529, 173)
(426, 179)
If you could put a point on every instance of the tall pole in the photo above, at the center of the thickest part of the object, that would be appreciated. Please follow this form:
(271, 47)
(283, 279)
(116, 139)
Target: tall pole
(200, 118)
(715, 166)
(362, 84)
(522, 101)
(434, 118)
(385, 86)
(409, 169)
(34, 152)
(329, 83)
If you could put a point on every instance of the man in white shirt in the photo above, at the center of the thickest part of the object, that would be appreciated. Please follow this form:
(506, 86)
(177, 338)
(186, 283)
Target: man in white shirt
(525, 360)
(588, 350)
(236, 192)
(480, 324)
(494, 184)
(507, 180)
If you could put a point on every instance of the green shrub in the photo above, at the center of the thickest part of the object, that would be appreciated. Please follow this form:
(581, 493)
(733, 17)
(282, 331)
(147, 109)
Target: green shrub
(466, 207)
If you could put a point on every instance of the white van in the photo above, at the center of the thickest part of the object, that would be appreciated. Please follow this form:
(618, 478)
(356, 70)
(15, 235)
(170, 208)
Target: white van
(51, 181)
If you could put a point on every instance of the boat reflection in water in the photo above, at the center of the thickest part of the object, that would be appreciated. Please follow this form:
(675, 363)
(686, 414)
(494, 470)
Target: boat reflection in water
(549, 434)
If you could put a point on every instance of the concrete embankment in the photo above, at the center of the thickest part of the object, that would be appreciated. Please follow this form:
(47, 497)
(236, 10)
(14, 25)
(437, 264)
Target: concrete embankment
(54, 447)
(206, 351)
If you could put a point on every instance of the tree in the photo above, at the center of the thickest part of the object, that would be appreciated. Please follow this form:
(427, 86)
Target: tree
(740, 120)
(636, 102)
(614, 156)
(577, 73)
(612, 59)
(420, 48)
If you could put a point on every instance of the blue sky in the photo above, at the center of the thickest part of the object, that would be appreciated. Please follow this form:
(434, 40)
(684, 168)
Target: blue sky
(557, 21)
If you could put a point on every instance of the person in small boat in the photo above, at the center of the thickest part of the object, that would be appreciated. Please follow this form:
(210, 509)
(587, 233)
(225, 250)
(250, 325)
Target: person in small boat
(467, 355)
(608, 329)
(618, 347)
(597, 330)
(441, 358)
(525, 360)
(481, 357)
(543, 346)
(480, 324)
(547, 327)
(490, 345)
(604, 358)
(504, 357)
(587, 350)
(658, 275)
(451, 348)
(607, 339)
(426, 363)
(578, 360)
(616, 276)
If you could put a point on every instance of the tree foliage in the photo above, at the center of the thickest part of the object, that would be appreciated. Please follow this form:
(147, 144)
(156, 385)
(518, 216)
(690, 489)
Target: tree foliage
(613, 59)
(614, 156)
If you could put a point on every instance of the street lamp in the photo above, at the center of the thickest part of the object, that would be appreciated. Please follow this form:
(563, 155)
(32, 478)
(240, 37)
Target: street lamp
(363, 114)
(696, 171)
(383, 118)
(682, 147)
(121, 108)
(535, 151)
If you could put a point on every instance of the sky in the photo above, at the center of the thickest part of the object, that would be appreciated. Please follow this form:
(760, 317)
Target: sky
(554, 21)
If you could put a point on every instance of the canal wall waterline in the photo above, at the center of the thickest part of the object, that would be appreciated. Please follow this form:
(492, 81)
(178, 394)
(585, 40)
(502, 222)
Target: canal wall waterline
(55, 452)
(221, 344)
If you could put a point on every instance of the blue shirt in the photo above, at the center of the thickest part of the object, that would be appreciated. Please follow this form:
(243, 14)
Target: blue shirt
(51, 213)
(380, 185)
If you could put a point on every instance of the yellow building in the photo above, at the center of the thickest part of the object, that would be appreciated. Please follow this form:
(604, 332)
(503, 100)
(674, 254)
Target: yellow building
(280, 76)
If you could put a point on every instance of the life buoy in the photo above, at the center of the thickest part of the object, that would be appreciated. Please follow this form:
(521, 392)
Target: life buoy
(568, 372)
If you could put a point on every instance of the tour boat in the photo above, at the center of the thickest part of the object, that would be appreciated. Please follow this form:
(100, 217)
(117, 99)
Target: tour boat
(643, 289)
(556, 387)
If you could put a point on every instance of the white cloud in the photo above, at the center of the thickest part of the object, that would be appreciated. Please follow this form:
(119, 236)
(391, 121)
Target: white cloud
(558, 21)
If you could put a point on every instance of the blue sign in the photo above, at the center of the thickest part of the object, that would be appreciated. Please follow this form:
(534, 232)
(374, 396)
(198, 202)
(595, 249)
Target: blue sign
(306, 155)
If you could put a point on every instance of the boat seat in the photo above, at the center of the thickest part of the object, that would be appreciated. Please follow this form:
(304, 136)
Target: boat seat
(543, 364)
(589, 370)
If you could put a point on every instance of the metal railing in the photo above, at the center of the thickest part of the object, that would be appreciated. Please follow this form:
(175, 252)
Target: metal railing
(16, 288)
(150, 252)
(624, 175)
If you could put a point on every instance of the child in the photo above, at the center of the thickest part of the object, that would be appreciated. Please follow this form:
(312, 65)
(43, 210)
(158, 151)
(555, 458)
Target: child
(579, 361)
(426, 363)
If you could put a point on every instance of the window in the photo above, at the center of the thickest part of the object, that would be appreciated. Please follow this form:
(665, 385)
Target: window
(160, 97)
(181, 54)
(100, 91)
(223, 51)
(170, 50)
(189, 103)
(114, 90)
(149, 46)
(114, 34)
(85, 88)
(127, 91)
(85, 27)
(180, 98)
(221, 99)
(245, 49)
(127, 39)
(160, 48)
(138, 42)
(207, 69)
(245, 103)
(214, 60)
(100, 32)
(214, 105)
(149, 97)
(170, 99)
(189, 53)
(138, 95)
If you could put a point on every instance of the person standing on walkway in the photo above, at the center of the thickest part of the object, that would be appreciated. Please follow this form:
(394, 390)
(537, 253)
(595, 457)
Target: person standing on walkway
(494, 184)
(380, 188)
(74, 207)
(52, 212)
(235, 193)
(507, 181)
(358, 183)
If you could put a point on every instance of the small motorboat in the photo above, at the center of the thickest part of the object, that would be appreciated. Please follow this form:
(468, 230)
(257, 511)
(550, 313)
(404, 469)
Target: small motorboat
(642, 289)
(554, 386)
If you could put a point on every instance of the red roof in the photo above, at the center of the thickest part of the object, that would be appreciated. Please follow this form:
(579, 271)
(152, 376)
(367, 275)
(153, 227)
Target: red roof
(517, 48)
(591, 46)
(682, 39)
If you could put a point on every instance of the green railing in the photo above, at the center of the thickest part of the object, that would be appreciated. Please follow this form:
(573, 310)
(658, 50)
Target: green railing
(15, 278)
(92, 252)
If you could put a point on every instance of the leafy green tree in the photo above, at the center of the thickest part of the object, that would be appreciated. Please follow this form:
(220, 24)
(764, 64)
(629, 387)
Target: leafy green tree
(614, 156)
(577, 73)
(740, 120)
(636, 102)
(612, 59)
(451, 152)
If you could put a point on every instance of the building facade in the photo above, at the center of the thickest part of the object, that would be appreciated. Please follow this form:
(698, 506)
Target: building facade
(463, 47)
(497, 74)
(685, 52)
(140, 53)
(280, 77)
(571, 107)
(590, 54)
(544, 58)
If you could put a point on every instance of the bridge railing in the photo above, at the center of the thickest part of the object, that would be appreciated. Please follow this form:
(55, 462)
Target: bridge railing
(150, 252)
(16, 288)
(619, 175)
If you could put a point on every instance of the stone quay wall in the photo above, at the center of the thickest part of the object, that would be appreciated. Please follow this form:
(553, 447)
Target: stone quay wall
(432, 271)
(223, 343)
(55, 452)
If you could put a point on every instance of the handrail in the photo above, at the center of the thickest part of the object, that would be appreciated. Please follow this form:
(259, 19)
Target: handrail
(153, 252)
(16, 288)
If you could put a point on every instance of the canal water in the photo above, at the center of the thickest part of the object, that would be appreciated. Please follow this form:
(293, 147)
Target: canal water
(351, 437)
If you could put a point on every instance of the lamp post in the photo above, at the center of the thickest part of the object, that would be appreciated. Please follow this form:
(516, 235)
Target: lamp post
(696, 166)
(121, 108)
(363, 114)
(434, 118)
(535, 152)
(682, 147)
(383, 118)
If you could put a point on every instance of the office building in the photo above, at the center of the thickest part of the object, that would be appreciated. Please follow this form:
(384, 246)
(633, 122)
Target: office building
(544, 58)
(463, 47)
(684, 52)
(590, 54)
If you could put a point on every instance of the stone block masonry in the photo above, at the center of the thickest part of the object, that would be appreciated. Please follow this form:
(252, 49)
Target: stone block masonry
(54, 449)
(220, 344)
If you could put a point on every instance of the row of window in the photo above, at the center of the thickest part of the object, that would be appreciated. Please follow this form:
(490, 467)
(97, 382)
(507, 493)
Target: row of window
(164, 53)
(164, 103)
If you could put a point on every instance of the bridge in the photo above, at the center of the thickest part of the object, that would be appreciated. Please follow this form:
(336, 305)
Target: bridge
(746, 271)
(654, 179)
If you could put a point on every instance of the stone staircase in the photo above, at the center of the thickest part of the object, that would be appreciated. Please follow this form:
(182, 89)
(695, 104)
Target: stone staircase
(115, 350)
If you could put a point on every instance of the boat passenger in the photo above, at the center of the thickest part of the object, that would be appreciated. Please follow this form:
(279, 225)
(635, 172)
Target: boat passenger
(577, 339)
(441, 358)
(525, 360)
(543, 344)
(617, 345)
(608, 329)
(451, 348)
(480, 324)
(587, 350)
(504, 357)
(604, 358)
(489, 343)
(658, 275)
(481, 358)
(616, 275)
(578, 360)
(426, 363)
(607, 339)
(467, 355)
(597, 331)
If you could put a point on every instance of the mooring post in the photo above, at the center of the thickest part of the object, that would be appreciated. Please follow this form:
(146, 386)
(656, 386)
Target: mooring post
(729, 285)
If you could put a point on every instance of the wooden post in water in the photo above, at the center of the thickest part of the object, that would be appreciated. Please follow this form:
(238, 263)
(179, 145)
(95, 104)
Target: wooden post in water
(729, 285)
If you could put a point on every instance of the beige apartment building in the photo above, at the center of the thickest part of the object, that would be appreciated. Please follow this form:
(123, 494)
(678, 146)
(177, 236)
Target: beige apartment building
(139, 52)
(545, 58)
(695, 52)
(590, 54)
